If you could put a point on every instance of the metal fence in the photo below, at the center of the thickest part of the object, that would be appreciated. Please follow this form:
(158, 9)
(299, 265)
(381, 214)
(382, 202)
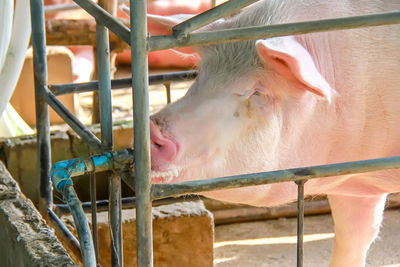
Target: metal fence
(119, 161)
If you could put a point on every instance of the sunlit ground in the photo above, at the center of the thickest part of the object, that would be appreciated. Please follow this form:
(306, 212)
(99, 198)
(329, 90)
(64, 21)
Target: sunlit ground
(273, 243)
(273, 240)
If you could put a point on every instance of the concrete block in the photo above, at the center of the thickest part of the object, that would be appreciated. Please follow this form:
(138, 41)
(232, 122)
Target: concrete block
(59, 65)
(26, 240)
(183, 236)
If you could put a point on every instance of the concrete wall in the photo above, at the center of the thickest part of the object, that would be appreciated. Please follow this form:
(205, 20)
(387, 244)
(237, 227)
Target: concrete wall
(26, 240)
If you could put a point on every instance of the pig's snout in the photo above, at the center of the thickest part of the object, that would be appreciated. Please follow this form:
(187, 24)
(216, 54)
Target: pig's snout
(163, 149)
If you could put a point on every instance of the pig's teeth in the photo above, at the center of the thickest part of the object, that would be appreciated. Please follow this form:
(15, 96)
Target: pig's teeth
(167, 175)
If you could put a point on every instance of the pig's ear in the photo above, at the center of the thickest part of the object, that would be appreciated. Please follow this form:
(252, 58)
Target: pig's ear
(160, 25)
(289, 58)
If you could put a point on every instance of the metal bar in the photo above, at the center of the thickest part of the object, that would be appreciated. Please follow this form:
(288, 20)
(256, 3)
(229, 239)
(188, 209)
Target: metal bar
(300, 221)
(144, 233)
(127, 203)
(115, 208)
(63, 233)
(82, 226)
(64, 7)
(42, 109)
(57, 8)
(262, 32)
(95, 95)
(72, 121)
(167, 190)
(106, 19)
(168, 91)
(93, 209)
(122, 83)
(103, 67)
(181, 30)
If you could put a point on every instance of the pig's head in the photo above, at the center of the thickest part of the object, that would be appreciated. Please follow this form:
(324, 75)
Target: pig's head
(237, 117)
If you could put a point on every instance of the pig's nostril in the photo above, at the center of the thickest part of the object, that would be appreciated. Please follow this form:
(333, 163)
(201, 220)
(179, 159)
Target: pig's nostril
(158, 145)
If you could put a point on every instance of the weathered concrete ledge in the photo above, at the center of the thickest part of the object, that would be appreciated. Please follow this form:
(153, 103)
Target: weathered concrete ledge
(26, 240)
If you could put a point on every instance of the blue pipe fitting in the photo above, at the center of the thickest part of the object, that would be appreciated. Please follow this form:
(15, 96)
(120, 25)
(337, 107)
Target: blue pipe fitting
(62, 171)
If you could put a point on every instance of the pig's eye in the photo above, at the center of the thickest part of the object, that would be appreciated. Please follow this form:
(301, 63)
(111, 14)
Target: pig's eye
(261, 97)
(257, 93)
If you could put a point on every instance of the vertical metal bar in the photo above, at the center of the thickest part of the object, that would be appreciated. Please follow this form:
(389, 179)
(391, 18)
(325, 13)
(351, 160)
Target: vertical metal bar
(300, 221)
(115, 207)
(95, 95)
(94, 215)
(103, 67)
(168, 89)
(142, 132)
(42, 109)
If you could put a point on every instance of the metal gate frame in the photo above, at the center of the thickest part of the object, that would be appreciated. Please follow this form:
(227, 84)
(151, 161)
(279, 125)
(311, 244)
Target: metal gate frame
(118, 161)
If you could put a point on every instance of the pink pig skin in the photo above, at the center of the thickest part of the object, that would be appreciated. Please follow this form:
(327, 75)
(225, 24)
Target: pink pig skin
(292, 102)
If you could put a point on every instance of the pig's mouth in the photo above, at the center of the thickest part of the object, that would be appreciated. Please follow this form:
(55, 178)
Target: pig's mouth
(161, 177)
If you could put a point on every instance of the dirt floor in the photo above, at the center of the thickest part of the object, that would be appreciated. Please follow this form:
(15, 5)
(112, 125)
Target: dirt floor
(273, 243)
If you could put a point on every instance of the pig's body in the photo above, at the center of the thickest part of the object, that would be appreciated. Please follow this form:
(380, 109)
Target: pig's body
(255, 108)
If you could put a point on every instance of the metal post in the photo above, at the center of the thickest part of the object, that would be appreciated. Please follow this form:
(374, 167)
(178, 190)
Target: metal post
(42, 109)
(300, 221)
(103, 68)
(168, 90)
(115, 208)
(94, 215)
(142, 132)
(103, 59)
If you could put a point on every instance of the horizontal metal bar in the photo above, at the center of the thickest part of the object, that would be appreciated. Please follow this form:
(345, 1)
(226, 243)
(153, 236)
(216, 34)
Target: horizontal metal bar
(161, 42)
(168, 190)
(64, 7)
(106, 19)
(127, 203)
(72, 121)
(182, 29)
(61, 89)
(57, 8)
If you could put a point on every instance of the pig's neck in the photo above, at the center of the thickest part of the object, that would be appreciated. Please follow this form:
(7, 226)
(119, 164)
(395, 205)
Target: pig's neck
(355, 126)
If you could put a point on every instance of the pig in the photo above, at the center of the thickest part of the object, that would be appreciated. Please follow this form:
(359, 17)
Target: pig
(292, 101)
